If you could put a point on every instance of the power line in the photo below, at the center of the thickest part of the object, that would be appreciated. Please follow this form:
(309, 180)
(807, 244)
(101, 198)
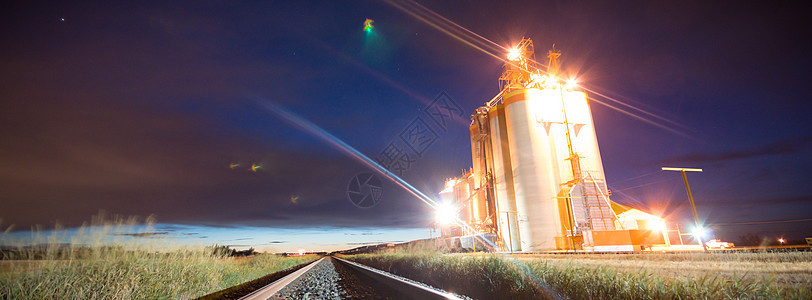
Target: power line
(641, 185)
(493, 49)
(637, 177)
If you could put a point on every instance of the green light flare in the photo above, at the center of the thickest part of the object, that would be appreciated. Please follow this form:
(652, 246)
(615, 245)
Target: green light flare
(368, 25)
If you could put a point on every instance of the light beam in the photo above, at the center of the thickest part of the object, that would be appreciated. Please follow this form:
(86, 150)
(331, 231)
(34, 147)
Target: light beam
(340, 145)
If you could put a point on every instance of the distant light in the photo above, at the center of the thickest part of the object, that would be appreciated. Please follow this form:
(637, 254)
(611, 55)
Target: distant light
(514, 54)
(446, 214)
(368, 25)
(699, 232)
(781, 240)
(62, 19)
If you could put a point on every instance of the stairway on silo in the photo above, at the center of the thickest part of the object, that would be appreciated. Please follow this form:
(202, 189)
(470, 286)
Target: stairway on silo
(596, 202)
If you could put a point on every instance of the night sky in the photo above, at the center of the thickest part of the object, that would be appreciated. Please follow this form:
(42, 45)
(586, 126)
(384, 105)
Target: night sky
(140, 108)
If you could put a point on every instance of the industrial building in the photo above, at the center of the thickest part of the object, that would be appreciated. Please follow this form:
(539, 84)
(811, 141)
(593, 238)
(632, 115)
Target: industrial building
(537, 181)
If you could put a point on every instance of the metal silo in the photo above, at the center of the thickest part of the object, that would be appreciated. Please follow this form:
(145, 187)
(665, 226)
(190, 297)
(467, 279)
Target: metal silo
(592, 196)
(534, 167)
(479, 149)
(584, 140)
(502, 177)
(537, 178)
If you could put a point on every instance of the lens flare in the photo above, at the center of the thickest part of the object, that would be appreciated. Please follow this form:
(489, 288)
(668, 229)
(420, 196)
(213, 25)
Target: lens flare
(340, 145)
(368, 25)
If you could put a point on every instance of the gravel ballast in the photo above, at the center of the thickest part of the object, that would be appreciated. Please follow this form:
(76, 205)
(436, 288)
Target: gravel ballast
(329, 280)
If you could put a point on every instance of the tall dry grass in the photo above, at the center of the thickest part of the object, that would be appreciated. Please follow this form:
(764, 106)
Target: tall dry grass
(581, 281)
(600, 276)
(98, 264)
(476, 277)
(762, 274)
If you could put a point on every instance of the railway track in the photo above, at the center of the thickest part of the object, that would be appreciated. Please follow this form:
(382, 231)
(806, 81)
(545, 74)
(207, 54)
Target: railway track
(336, 278)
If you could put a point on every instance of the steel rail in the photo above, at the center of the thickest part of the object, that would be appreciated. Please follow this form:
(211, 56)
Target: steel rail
(397, 284)
(389, 283)
(274, 287)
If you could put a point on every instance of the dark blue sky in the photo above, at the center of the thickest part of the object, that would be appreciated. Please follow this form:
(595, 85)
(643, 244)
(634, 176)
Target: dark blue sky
(139, 108)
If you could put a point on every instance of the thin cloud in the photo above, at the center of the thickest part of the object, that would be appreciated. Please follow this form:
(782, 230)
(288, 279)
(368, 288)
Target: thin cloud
(143, 234)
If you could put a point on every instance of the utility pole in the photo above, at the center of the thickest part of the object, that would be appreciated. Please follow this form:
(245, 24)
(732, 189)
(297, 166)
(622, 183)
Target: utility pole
(691, 198)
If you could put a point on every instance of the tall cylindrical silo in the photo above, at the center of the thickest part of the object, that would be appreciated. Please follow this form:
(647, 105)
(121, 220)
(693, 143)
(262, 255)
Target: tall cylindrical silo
(462, 192)
(585, 143)
(584, 140)
(503, 179)
(532, 158)
(478, 201)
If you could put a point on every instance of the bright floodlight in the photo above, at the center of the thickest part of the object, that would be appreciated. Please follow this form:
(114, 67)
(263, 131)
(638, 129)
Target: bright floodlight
(699, 232)
(572, 83)
(446, 213)
(514, 54)
(659, 225)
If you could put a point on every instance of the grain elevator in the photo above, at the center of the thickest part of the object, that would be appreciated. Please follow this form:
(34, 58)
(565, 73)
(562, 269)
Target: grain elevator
(537, 180)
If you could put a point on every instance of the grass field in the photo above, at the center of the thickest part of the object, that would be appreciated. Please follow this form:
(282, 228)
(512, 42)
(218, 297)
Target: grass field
(761, 275)
(92, 266)
(135, 275)
(481, 277)
(789, 270)
(97, 264)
